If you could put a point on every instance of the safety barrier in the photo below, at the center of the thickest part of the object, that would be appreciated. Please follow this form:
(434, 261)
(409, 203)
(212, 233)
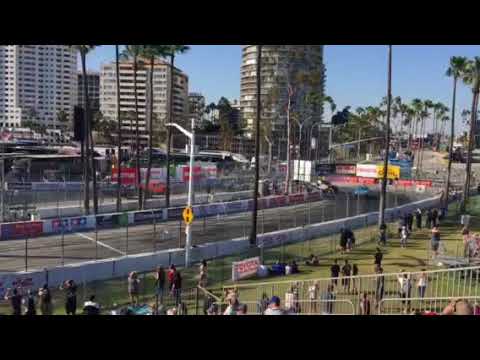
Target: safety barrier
(118, 267)
(419, 305)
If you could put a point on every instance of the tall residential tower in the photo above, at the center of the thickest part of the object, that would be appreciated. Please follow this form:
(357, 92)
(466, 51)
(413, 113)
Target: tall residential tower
(37, 82)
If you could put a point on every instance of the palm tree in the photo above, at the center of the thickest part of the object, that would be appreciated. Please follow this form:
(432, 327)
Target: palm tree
(172, 51)
(119, 125)
(253, 229)
(428, 104)
(151, 52)
(89, 162)
(133, 52)
(383, 194)
(471, 76)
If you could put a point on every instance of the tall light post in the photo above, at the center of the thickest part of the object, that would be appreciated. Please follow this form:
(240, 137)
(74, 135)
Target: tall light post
(188, 230)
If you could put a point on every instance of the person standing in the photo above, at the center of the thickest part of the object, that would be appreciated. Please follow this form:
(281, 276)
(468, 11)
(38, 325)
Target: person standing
(45, 300)
(404, 238)
(159, 284)
(328, 298)
(418, 218)
(435, 241)
(435, 220)
(133, 288)
(343, 240)
(429, 221)
(70, 289)
(177, 287)
(383, 235)
(31, 309)
(422, 284)
(354, 279)
(365, 305)
(313, 297)
(378, 259)
(405, 290)
(274, 307)
(15, 299)
(346, 272)
(203, 274)
(410, 221)
(334, 272)
(466, 239)
(171, 274)
(379, 287)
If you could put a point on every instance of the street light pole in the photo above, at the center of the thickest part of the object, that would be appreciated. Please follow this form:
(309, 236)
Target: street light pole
(188, 230)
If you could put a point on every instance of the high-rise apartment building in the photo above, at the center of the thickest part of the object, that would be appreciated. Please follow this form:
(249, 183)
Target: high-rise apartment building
(93, 83)
(161, 97)
(277, 61)
(196, 106)
(37, 82)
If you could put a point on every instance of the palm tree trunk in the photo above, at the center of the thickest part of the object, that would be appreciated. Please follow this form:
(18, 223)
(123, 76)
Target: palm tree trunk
(86, 178)
(253, 230)
(150, 133)
(169, 132)
(450, 146)
(383, 194)
(137, 135)
(289, 152)
(94, 172)
(471, 142)
(119, 124)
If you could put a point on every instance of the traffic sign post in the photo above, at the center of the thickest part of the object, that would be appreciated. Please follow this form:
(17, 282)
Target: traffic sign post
(188, 215)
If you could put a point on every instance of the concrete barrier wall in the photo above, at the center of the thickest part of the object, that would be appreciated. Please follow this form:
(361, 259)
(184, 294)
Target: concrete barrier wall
(120, 267)
(69, 211)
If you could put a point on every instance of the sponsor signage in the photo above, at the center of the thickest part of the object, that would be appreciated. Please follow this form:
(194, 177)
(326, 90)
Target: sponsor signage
(345, 169)
(267, 241)
(245, 269)
(129, 176)
(21, 230)
(278, 201)
(324, 169)
(175, 213)
(296, 199)
(367, 170)
(393, 172)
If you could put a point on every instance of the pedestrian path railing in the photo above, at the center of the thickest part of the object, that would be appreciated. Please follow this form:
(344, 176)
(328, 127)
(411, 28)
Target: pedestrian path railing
(378, 289)
(419, 305)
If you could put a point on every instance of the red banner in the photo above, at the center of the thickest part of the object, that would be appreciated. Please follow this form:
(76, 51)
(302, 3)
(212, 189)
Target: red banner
(409, 183)
(346, 169)
(129, 176)
(197, 173)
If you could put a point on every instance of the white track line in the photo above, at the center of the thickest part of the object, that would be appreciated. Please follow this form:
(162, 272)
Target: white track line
(102, 244)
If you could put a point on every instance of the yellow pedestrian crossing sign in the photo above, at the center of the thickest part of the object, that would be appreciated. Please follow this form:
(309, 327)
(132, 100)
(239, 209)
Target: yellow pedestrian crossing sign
(188, 215)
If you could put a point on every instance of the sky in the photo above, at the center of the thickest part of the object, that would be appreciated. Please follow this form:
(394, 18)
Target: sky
(356, 75)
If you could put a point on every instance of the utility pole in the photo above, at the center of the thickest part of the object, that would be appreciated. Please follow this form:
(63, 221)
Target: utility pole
(253, 230)
(383, 195)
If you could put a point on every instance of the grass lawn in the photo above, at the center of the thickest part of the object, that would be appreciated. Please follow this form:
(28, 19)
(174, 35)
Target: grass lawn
(415, 257)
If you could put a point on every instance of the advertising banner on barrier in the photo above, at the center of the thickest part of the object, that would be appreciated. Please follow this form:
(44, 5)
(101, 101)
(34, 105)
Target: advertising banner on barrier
(21, 230)
(271, 240)
(143, 217)
(324, 169)
(393, 172)
(57, 226)
(245, 269)
(128, 176)
(278, 201)
(197, 173)
(345, 169)
(233, 207)
(314, 196)
(366, 181)
(112, 220)
(296, 199)
(175, 213)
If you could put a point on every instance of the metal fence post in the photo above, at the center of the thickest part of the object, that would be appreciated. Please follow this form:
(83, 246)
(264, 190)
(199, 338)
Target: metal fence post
(63, 242)
(154, 232)
(126, 245)
(26, 252)
(96, 241)
(196, 300)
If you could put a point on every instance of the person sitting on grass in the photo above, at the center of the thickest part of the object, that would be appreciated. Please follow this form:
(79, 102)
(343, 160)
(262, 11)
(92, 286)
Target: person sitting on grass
(91, 307)
(312, 261)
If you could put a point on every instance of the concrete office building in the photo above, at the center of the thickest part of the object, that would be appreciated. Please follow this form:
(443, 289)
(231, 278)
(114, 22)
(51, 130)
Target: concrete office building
(36, 83)
(161, 97)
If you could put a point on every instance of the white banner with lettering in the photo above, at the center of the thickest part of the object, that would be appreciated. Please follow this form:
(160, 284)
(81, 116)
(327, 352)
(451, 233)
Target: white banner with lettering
(245, 269)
